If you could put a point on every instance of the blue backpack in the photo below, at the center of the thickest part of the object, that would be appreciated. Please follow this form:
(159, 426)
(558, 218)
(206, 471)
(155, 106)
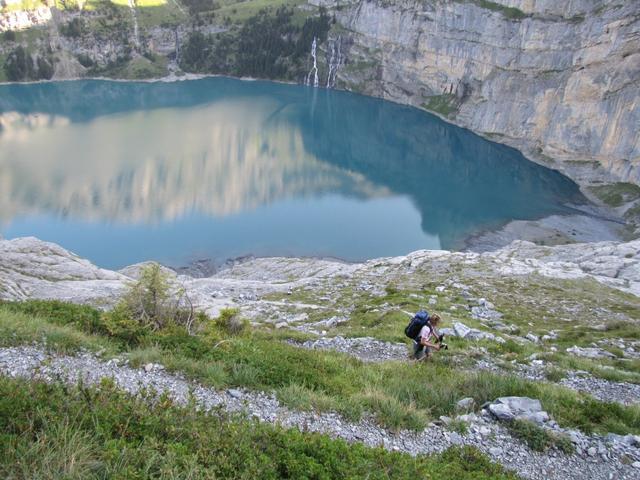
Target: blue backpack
(419, 320)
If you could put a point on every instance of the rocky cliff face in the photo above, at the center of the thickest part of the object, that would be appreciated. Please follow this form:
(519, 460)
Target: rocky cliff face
(559, 80)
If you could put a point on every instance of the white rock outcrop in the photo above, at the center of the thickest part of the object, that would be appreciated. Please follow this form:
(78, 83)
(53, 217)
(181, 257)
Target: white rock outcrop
(32, 268)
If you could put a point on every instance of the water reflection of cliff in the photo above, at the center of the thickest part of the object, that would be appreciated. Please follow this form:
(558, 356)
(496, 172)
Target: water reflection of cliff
(135, 151)
(160, 164)
(459, 181)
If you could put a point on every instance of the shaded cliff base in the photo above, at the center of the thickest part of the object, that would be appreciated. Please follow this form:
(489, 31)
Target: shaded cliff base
(554, 230)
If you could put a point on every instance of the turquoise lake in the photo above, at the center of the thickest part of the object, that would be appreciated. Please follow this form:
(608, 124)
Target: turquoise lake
(121, 172)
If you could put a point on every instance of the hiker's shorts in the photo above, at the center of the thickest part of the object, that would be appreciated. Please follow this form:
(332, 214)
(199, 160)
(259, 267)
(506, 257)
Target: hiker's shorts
(419, 351)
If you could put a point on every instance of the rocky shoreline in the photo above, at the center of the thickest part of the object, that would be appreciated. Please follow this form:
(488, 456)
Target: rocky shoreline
(551, 230)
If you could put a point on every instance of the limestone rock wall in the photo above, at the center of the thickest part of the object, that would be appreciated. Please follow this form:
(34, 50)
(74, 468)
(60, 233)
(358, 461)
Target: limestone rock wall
(559, 80)
(22, 19)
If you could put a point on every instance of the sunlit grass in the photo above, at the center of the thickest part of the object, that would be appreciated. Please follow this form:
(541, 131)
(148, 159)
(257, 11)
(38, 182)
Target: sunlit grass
(399, 394)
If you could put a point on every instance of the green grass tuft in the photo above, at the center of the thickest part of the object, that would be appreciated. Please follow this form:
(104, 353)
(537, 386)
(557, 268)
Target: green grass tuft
(538, 438)
(445, 104)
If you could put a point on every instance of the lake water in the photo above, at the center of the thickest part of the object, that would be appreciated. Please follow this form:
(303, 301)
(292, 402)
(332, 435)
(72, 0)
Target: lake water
(121, 172)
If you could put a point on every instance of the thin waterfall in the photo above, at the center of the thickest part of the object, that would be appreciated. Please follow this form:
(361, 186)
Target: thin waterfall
(314, 68)
(334, 61)
(331, 63)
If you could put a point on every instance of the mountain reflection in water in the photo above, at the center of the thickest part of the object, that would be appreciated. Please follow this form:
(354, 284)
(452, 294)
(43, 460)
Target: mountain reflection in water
(122, 172)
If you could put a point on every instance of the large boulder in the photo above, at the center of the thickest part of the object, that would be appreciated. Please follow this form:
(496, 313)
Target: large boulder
(465, 405)
(462, 331)
(521, 408)
(590, 352)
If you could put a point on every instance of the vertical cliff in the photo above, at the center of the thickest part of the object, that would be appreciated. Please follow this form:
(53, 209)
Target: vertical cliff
(559, 80)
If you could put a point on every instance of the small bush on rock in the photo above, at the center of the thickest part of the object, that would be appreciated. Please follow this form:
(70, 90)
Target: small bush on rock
(154, 303)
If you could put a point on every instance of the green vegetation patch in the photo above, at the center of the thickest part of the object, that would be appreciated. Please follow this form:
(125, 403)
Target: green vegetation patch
(633, 214)
(137, 68)
(50, 431)
(22, 5)
(511, 13)
(617, 194)
(20, 65)
(22, 328)
(240, 11)
(3, 74)
(398, 394)
(270, 44)
(445, 104)
(538, 438)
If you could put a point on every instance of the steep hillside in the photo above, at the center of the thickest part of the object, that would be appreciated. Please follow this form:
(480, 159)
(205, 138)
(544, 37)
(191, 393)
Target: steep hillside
(542, 373)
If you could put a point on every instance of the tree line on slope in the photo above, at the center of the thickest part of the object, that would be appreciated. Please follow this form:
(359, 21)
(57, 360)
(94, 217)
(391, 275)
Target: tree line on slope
(268, 45)
(21, 65)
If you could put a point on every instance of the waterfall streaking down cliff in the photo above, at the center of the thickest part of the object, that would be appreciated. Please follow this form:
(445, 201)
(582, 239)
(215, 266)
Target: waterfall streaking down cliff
(314, 68)
(335, 60)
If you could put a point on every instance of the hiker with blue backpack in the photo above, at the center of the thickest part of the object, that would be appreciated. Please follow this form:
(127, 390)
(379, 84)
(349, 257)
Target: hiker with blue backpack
(422, 329)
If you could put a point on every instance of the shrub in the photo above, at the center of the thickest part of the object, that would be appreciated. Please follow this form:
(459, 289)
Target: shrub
(459, 426)
(74, 28)
(9, 36)
(19, 65)
(554, 374)
(45, 68)
(85, 60)
(119, 324)
(230, 322)
(391, 289)
(153, 303)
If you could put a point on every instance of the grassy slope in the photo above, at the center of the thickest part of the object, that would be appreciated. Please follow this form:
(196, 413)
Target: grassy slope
(581, 311)
(401, 395)
(79, 433)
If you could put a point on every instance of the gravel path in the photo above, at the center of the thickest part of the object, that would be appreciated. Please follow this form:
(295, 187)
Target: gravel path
(366, 349)
(605, 390)
(600, 458)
